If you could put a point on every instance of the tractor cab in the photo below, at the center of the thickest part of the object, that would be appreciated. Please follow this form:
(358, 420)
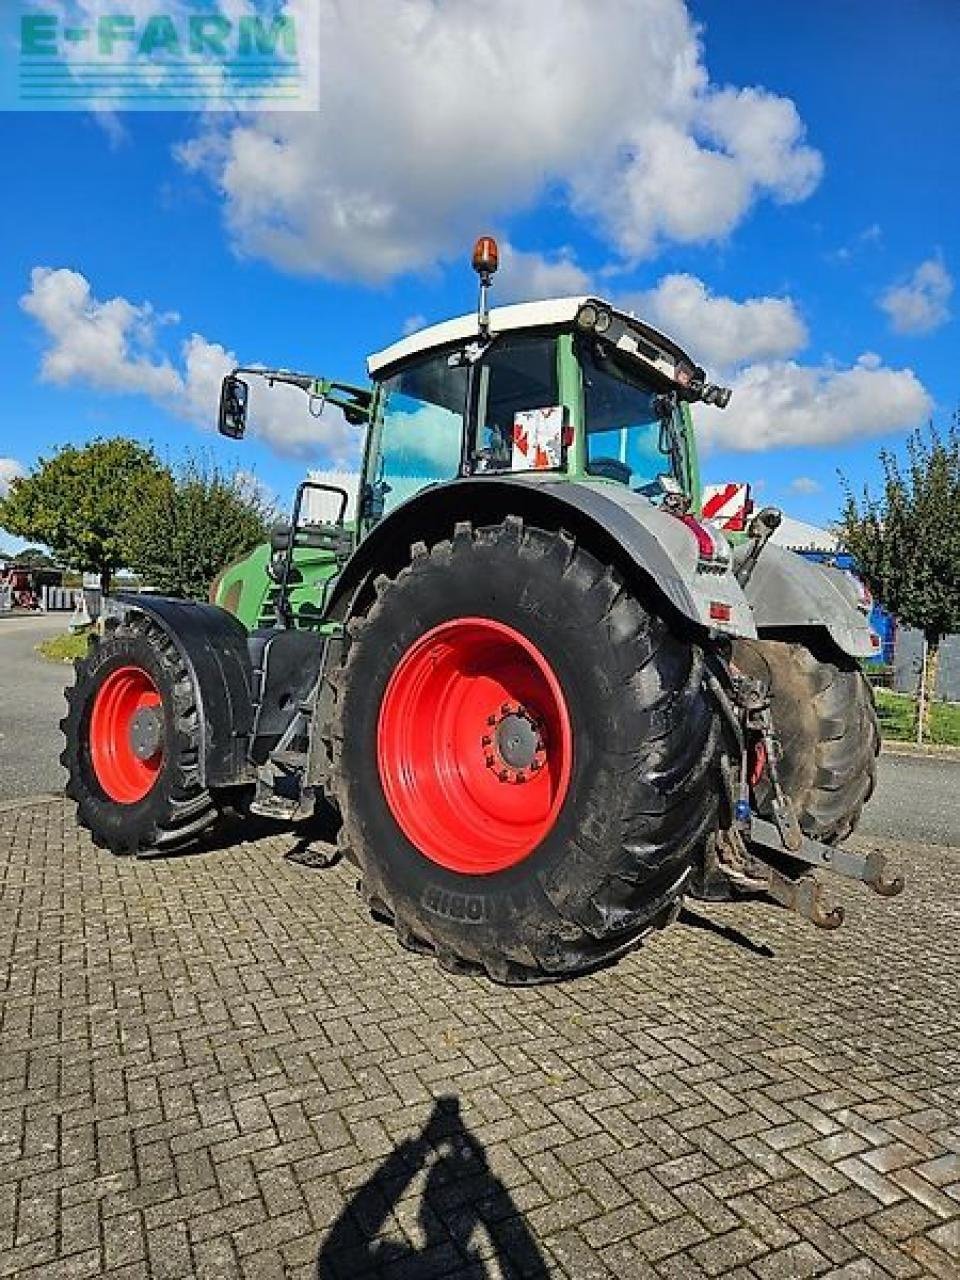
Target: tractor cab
(564, 389)
(567, 387)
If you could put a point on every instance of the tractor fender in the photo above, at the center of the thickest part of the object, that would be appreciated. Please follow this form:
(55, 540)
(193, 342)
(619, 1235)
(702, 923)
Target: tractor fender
(613, 523)
(790, 593)
(213, 646)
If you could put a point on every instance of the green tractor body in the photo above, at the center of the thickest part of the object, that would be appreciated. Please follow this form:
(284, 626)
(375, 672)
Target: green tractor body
(541, 697)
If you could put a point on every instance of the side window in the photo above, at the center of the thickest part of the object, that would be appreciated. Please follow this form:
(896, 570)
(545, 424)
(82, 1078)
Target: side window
(518, 388)
(421, 430)
(625, 438)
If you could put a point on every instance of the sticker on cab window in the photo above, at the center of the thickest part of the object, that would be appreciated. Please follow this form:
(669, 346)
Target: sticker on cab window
(538, 439)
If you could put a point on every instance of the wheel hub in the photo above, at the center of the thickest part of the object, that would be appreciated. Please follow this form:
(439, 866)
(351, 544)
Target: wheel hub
(515, 748)
(146, 733)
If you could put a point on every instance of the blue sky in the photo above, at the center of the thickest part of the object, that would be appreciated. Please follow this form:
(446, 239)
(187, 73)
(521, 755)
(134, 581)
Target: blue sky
(810, 258)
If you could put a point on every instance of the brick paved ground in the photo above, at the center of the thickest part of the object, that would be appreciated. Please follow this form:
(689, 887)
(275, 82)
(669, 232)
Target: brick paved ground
(213, 1065)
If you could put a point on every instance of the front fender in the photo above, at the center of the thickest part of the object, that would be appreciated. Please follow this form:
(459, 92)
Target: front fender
(614, 524)
(213, 646)
(788, 592)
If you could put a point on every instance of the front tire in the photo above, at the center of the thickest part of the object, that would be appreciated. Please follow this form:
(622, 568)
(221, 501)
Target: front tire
(825, 719)
(525, 753)
(132, 735)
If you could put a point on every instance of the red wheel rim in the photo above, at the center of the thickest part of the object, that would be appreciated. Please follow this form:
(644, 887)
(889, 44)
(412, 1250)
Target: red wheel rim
(125, 773)
(474, 746)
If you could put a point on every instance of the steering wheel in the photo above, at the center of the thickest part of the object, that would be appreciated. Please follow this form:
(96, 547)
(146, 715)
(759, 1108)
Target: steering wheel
(610, 469)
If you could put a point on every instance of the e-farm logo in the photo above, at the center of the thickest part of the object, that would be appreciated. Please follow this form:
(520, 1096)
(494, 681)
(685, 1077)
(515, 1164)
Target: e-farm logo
(81, 56)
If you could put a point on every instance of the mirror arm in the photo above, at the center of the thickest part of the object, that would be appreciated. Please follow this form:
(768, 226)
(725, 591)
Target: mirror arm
(356, 402)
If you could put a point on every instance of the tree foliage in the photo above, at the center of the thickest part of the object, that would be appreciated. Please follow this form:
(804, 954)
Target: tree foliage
(34, 558)
(78, 502)
(907, 540)
(192, 524)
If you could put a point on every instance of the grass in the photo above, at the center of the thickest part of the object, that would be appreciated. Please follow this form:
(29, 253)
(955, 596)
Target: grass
(64, 648)
(898, 719)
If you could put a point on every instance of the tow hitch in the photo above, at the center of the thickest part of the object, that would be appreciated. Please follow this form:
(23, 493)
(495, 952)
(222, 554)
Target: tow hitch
(804, 895)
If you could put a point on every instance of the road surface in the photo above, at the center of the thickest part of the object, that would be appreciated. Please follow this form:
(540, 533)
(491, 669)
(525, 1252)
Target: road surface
(915, 800)
(31, 705)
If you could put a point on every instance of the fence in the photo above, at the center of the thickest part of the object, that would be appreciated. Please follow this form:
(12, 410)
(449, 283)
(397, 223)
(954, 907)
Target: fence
(60, 599)
(908, 657)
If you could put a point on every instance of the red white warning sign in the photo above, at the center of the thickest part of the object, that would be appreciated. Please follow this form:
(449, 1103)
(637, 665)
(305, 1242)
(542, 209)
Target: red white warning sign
(728, 505)
(538, 439)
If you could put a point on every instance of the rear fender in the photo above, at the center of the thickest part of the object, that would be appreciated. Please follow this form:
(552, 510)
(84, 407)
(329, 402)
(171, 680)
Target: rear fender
(614, 524)
(789, 594)
(213, 646)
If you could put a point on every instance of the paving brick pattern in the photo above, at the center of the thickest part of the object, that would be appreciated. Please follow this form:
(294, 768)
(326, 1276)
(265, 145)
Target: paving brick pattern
(214, 1066)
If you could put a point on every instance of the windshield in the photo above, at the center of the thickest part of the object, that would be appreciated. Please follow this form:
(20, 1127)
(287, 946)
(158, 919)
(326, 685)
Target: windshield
(421, 431)
(626, 437)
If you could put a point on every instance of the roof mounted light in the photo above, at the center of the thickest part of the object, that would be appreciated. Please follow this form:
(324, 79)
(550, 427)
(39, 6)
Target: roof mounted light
(712, 394)
(485, 260)
(587, 317)
(604, 320)
(486, 256)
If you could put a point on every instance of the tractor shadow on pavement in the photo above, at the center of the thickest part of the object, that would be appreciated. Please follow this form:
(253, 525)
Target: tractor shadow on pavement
(465, 1214)
(693, 920)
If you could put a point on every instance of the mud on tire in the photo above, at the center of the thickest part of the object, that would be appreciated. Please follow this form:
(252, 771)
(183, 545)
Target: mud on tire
(824, 716)
(177, 808)
(643, 784)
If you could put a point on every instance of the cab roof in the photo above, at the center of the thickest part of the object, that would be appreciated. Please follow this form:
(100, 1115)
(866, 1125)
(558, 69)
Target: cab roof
(660, 354)
(521, 315)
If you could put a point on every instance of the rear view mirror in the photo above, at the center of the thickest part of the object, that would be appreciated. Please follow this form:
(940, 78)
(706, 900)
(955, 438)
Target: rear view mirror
(233, 407)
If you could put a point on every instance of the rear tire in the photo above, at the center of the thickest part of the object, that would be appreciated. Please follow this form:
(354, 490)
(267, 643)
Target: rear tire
(130, 807)
(824, 717)
(636, 786)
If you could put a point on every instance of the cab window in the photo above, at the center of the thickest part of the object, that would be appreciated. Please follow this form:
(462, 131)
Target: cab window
(421, 430)
(517, 376)
(626, 439)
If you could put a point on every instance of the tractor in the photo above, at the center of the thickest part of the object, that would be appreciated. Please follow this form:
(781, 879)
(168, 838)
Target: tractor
(540, 696)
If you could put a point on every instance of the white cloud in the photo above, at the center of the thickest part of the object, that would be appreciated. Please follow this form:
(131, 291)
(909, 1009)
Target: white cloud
(720, 332)
(114, 347)
(806, 485)
(525, 276)
(921, 303)
(413, 323)
(10, 470)
(693, 177)
(782, 403)
(607, 107)
(108, 344)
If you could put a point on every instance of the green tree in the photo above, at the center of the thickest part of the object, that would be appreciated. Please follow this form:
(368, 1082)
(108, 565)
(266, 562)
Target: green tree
(35, 558)
(193, 523)
(907, 542)
(78, 502)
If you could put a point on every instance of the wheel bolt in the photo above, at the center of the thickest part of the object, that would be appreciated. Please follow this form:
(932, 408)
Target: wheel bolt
(486, 740)
(535, 766)
(491, 719)
(490, 761)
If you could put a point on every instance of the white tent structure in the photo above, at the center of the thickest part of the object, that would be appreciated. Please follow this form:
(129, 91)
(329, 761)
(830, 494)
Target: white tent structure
(799, 536)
